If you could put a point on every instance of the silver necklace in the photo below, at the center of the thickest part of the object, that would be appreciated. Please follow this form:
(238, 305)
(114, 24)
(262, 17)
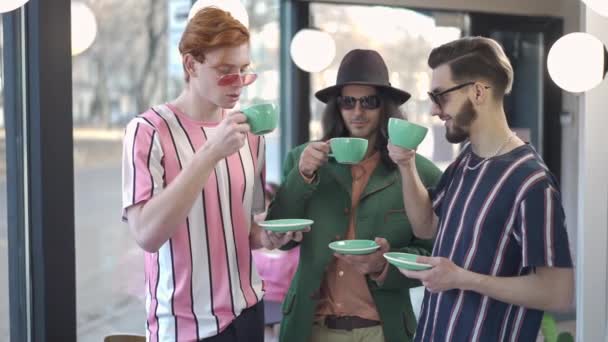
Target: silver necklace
(492, 156)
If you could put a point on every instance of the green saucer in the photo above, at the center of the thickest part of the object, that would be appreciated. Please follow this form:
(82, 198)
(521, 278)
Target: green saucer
(285, 225)
(406, 261)
(356, 247)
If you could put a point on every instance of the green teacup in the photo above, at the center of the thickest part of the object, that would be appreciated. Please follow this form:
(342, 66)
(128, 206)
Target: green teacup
(405, 134)
(348, 150)
(262, 118)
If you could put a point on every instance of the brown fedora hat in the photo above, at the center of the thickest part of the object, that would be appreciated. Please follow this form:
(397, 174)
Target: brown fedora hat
(363, 67)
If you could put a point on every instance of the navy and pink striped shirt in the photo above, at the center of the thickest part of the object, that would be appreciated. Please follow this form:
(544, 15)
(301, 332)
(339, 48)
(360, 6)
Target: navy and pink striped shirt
(203, 277)
(503, 218)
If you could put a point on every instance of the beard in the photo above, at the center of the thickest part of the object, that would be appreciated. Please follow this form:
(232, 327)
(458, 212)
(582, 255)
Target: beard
(461, 123)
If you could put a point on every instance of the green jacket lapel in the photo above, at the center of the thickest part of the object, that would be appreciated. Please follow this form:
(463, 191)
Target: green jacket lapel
(380, 179)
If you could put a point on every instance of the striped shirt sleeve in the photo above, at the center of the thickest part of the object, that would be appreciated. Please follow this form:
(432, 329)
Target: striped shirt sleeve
(437, 193)
(142, 170)
(540, 228)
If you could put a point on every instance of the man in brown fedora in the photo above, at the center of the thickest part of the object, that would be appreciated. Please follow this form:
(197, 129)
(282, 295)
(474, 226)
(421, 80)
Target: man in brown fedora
(336, 297)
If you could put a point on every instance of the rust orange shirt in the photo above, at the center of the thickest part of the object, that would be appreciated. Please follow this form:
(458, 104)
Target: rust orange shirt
(344, 291)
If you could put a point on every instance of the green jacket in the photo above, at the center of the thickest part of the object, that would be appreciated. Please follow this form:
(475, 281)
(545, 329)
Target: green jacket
(380, 213)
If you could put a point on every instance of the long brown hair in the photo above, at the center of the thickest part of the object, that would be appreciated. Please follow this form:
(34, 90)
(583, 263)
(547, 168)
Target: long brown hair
(334, 126)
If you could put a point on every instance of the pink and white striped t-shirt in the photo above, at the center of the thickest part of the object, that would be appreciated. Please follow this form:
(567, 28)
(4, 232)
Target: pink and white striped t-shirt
(203, 277)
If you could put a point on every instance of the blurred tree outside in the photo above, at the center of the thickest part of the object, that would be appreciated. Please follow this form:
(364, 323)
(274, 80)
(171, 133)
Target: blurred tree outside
(127, 69)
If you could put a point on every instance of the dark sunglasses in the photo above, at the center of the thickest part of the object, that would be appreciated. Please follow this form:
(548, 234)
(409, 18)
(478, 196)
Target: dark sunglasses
(367, 102)
(437, 97)
(232, 79)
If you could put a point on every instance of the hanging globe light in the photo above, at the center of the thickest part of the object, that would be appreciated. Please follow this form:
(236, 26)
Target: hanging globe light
(9, 5)
(234, 7)
(84, 28)
(312, 50)
(577, 62)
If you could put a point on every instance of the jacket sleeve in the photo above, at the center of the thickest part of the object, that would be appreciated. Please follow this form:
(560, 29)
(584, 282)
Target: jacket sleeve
(430, 175)
(291, 200)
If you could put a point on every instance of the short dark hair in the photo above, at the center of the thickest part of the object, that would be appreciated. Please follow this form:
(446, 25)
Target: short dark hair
(471, 58)
(334, 126)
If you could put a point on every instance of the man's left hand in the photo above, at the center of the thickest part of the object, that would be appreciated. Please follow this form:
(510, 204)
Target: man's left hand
(444, 276)
(272, 240)
(369, 263)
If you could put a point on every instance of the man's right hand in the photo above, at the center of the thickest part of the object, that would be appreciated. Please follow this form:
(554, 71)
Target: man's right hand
(403, 157)
(313, 157)
(230, 137)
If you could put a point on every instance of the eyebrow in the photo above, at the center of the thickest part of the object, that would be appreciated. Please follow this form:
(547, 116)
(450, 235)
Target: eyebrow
(233, 65)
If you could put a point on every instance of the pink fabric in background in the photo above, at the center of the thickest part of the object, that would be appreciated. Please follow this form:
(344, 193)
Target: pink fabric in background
(276, 268)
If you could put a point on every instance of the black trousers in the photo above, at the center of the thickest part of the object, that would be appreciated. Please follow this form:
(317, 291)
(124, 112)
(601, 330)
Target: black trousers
(247, 327)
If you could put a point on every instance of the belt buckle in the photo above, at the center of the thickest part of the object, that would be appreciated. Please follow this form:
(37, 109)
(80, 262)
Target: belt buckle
(340, 322)
(348, 321)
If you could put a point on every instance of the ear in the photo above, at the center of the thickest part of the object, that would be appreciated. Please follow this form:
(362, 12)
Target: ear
(189, 64)
(480, 94)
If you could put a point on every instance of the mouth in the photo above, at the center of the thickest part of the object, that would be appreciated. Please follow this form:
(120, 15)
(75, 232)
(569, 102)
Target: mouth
(358, 123)
(234, 97)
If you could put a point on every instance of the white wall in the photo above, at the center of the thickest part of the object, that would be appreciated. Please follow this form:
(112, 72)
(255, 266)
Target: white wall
(592, 288)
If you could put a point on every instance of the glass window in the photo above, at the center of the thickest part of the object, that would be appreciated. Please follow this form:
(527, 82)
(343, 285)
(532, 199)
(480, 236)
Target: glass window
(264, 28)
(4, 314)
(132, 64)
(404, 38)
(124, 71)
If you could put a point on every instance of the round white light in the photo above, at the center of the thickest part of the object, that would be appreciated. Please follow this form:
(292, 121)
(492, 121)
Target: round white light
(9, 5)
(312, 50)
(234, 7)
(84, 28)
(576, 62)
(599, 6)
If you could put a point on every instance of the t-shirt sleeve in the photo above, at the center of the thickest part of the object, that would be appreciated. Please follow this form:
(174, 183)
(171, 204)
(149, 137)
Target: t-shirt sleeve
(437, 192)
(142, 167)
(540, 228)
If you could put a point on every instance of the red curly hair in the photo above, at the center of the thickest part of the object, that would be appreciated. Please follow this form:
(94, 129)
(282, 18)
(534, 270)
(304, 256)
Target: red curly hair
(211, 28)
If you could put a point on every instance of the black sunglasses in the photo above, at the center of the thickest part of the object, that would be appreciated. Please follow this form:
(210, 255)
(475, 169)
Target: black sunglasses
(367, 102)
(437, 98)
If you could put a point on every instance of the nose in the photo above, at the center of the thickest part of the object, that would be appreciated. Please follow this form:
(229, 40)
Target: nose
(239, 81)
(435, 109)
(358, 109)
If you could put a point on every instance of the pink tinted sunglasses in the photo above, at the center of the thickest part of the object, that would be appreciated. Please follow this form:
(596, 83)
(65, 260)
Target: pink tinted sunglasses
(232, 79)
